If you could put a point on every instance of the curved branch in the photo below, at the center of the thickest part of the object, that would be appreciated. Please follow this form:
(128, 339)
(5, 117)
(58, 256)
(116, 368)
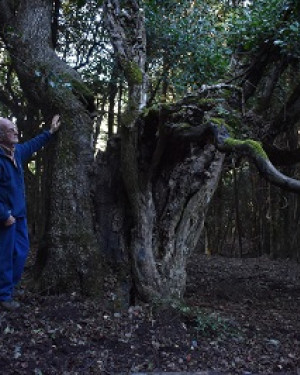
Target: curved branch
(271, 174)
(256, 153)
(247, 148)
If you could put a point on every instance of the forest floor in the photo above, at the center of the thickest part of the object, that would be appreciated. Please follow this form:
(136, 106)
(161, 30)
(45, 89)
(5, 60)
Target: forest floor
(240, 316)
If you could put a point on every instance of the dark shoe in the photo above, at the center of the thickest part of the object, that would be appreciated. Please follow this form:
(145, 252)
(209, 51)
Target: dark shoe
(10, 305)
(18, 292)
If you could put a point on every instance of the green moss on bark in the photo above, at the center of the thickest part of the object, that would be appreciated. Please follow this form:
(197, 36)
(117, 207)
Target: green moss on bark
(81, 88)
(133, 73)
(254, 145)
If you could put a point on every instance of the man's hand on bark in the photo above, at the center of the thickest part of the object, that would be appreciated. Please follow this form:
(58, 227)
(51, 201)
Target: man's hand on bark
(55, 124)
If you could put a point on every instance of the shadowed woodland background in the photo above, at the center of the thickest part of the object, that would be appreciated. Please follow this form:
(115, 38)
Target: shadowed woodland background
(125, 188)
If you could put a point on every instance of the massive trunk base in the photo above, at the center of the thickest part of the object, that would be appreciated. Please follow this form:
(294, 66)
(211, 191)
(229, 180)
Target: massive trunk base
(152, 241)
(68, 258)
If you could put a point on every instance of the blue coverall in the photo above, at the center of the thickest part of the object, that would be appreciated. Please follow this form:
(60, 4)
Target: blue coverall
(14, 243)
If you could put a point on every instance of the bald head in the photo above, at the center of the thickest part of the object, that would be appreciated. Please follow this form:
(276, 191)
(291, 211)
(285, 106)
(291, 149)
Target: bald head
(8, 132)
(3, 122)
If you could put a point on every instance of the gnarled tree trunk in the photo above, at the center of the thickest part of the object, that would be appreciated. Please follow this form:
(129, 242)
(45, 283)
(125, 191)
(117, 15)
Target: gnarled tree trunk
(168, 184)
(153, 237)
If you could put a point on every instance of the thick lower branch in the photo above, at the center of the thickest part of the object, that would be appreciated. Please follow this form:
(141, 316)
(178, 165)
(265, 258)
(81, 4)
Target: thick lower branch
(256, 153)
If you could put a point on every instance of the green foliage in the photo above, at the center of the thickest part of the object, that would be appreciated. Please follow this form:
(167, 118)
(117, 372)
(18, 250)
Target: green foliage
(185, 43)
(83, 42)
(189, 42)
(10, 85)
(133, 73)
(79, 3)
(192, 42)
(207, 324)
(263, 21)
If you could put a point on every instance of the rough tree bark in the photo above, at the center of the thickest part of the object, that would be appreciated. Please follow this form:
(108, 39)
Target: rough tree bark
(168, 185)
(69, 255)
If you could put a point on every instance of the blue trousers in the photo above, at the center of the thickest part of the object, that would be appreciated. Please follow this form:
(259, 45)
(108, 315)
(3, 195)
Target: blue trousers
(14, 248)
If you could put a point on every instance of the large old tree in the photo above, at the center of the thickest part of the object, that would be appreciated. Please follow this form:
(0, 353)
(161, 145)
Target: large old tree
(152, 186)
(69, 249)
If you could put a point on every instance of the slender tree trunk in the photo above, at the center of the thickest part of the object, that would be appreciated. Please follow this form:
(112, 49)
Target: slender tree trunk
(238, 224)
(120, 100)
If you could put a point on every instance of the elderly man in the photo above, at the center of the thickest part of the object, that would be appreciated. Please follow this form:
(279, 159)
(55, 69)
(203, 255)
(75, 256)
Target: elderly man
(14, 244)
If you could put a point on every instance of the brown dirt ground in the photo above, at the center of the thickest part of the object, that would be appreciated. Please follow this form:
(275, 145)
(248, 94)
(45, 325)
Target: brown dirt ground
(240, 316)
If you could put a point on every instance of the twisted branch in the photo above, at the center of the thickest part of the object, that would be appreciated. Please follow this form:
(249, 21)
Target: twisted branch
(249, 148)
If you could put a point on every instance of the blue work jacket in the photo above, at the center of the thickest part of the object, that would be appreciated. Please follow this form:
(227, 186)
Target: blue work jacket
(12, 188)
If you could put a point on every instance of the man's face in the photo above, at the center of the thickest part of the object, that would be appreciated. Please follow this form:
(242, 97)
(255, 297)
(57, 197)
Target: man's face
(9, 134)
